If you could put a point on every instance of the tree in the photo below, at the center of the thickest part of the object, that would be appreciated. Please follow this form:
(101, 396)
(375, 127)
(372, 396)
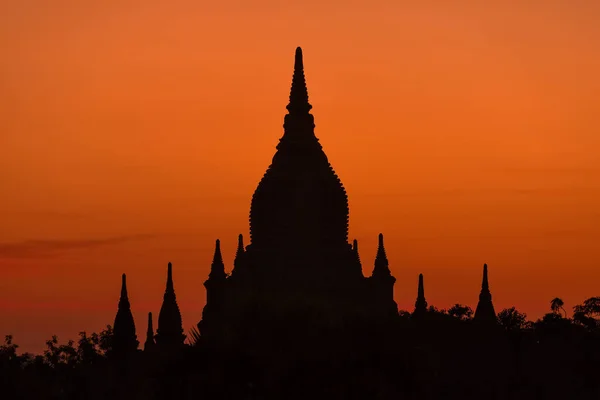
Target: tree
(87, 348)
(60, 354)
(464, 313)
(587, 314)
(511, 319)
(105, 340)
(556, 305)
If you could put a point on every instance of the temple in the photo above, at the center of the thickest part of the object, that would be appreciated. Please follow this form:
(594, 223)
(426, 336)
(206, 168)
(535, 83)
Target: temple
(298, 275)
(298, 262)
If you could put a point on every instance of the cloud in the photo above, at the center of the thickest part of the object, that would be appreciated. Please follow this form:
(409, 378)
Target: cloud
(44, 248)
(54, 214)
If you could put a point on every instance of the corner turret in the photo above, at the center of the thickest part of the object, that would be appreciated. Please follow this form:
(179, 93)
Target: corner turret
(215, 287)
(381, 269)
(485, 308)
(170, 327)
(125, 340)
(382, 282)
(421, 303)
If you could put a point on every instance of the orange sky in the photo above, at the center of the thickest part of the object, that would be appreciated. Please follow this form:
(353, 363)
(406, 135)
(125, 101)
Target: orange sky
(134, 133)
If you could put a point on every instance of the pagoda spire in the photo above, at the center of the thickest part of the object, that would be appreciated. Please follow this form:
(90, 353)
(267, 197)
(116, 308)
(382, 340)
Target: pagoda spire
(299, 92)
(170, 327)
(217, 268)
(300, 197)
(124, 299)
(485, 286)
(149, 334)
(421, 303)
(239, 255)
(381, 268)
(125, 339)
(358, 263)
(485, 308)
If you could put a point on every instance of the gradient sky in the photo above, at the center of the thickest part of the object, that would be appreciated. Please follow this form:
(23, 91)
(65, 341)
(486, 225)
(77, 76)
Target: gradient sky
(134, 133)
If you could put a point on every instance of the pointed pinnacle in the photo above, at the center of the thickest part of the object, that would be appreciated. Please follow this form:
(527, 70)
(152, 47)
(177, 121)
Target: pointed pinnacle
(170, 277)
(217, 258)
(240, 248)
(381, 247)
(484, 284)
(299, 92)
(124, 286)
(355, 246)
(421, 292)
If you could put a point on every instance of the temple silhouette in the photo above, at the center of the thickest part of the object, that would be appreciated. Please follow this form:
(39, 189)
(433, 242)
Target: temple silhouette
(298, 269)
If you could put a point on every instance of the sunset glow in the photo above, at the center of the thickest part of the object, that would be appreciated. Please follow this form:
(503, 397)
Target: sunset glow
(134, 134)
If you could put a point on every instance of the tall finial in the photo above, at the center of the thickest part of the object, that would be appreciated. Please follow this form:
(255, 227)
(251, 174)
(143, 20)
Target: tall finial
(124, 300)
(170, 277)
(299, 92)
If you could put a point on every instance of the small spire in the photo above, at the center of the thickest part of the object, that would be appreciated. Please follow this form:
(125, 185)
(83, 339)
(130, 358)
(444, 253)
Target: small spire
(421, 303)
(299, 92)
(124, 300)
(170, 277)
(380, 247)
(355, 246)
(217, 258)
(124, 339)
(217, 269)
(421, 291)
(381, 261)
(239, 255)
(149, 334)
(170, 330)
(485, 308)
(484, 284)
(240, 248)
